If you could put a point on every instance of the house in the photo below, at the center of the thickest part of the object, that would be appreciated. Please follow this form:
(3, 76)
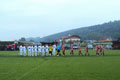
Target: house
(72, 39)
(68, 40)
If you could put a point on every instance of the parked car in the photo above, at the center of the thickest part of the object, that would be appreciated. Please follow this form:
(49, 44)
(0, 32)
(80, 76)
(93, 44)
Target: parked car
(108, 46)
(75, 47)
(90, 46)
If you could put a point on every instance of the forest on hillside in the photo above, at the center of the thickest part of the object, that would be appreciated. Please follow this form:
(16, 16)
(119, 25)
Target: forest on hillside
(96, 32)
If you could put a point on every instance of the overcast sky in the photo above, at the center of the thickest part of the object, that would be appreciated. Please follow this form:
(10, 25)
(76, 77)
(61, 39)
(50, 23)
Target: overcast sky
(39, 18)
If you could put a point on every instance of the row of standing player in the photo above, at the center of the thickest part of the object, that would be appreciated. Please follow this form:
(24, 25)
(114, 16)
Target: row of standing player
(99, 50)
(33, 50)
(43, 50)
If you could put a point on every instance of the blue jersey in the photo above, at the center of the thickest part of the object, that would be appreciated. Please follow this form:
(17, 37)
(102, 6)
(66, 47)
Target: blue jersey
(58, 47)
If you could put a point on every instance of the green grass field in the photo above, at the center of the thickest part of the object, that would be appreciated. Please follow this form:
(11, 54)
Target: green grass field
(13, 67)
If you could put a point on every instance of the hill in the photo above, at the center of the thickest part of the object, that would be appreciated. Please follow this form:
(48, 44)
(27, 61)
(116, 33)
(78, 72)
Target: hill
(96, 32)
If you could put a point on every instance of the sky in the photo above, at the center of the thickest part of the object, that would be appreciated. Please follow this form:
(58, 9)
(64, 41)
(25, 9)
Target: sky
(39, 18)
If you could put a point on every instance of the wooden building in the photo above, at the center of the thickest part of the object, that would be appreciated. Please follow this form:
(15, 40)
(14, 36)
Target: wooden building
(72, 38)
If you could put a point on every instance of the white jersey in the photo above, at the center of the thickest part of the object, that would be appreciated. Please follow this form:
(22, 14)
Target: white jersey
(35, 48)
(32, 49)
(43, 49)
(21, 51)
(39, 48)
(29, 48)
(54, 48)
(20, 48)
(24, 49)
(46, 48)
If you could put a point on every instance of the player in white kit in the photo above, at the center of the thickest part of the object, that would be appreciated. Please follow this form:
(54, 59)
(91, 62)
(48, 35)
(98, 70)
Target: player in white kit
(32, 49)
(54, 49)
(43, 50)
(46, 50)
(29, 50)
(21, 51)
(24, 50)
(35, 48)
(39, 49)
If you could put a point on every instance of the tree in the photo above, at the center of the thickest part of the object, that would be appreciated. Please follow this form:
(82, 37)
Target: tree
(22, 39)
(31, 40)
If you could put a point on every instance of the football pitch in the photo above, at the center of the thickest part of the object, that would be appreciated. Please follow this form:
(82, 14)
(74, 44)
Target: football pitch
(13, 67)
